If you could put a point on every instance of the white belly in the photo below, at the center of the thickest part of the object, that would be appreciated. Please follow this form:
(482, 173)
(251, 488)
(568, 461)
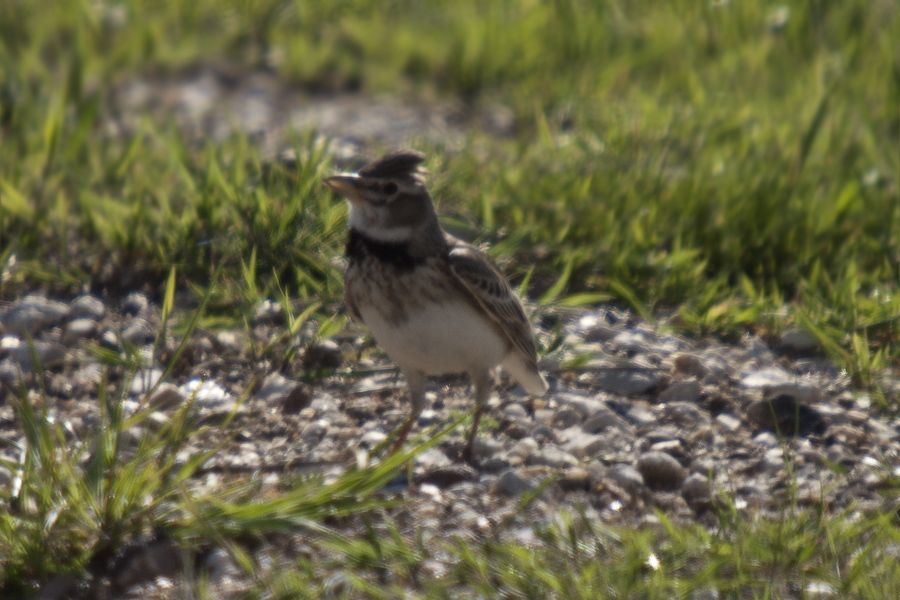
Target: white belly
(446, 338)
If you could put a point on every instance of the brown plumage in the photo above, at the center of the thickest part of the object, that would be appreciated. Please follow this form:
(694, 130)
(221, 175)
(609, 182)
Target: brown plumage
(434, 303)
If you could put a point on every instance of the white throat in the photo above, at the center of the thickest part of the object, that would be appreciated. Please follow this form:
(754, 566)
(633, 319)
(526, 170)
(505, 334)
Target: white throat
(361, 222)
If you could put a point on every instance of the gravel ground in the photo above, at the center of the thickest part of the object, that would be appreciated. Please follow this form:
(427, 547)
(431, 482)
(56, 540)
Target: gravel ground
(647, 420)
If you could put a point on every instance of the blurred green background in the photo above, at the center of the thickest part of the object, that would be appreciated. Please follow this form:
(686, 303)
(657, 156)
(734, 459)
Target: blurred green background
(722, 166)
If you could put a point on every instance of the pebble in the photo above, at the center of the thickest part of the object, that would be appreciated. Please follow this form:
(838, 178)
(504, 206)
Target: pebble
(147, 561)
(38, 354)
(696, 490)
(77, 330)
(640, 415)
(207, 393)
(784, 415)
(552, 456)
(268, 313)
(32, 314)
(512, 483)
(584, 445)
(626, 381)
(686, 414)
(605, 418)
(728, 422)
(799, 341)
(138, 332)
(167, 397)
(515, 412)
(626, 477)
(135, 304)
(689, 364)
(681, 391)
(566, 417)
(766, 377)
(660, 471)
(323, 355)
(575, 478)
(144, 380)
(87, 307)
(275, 388)
(296, 400)
(448, 475)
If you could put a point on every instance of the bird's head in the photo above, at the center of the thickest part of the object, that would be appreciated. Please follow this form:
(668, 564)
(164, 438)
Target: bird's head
(387, 198)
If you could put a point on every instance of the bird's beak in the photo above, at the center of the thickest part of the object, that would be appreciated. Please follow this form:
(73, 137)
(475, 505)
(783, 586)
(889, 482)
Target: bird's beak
(344, 184)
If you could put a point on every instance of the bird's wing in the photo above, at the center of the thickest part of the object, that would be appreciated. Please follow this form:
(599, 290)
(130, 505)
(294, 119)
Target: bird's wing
(350, 303)
(490, 291)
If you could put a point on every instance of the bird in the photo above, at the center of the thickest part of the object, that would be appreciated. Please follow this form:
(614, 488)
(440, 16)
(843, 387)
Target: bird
(434, 303)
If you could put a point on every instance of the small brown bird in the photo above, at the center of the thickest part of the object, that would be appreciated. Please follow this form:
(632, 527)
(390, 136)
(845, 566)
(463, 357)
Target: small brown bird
(435, 304)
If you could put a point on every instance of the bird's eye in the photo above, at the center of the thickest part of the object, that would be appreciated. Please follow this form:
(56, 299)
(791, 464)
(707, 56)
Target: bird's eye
(390, 188)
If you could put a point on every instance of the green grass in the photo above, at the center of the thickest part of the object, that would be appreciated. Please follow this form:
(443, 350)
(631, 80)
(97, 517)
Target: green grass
(722, 166)
(712, 161)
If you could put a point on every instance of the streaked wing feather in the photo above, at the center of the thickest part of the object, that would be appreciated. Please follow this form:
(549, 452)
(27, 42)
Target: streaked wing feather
(492, 293)
(349, 303)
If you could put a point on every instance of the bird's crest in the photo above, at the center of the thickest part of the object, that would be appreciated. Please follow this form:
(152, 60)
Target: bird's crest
(397, 164)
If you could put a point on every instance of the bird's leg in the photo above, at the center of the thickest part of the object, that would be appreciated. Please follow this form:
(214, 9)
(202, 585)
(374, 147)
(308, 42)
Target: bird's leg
(482, 383)
(415, 380)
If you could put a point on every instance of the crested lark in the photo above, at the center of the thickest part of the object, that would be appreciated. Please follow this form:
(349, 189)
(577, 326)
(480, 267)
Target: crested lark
(435, 304)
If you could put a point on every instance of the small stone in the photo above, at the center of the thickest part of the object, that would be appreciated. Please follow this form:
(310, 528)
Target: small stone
(799, 341)
(87, 307)
(605, 418)
(296, 400)
(552, 456)
(38, 355)
(138, 332)
(32, 314)
(268, 313)
(626, 381)
(167, 397)
(696, 491)
(220, 567)
(626, 477)
(524, 447)
(773, 460)
(784, 415)
(686, 414)
(640, 415)
(135, 304)
(372, 438)
(661, 471)
(144, 380)
(275, 388)
(670, 447)
(566, 417)
(575, 478)
(484, 448)
(323, 355)
(681, 391)
(515, 412)
(448, 475)
(315, 431)
(110, 341)
(544, 433)
(767, 377)
(689, 364)
(147, 561)
(207, 393)
(511, 483)
(77, 330)
(728, 422)
(583, 445)
(766, 439)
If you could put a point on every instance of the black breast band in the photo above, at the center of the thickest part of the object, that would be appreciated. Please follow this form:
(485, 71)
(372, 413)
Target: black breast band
(395, 254)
